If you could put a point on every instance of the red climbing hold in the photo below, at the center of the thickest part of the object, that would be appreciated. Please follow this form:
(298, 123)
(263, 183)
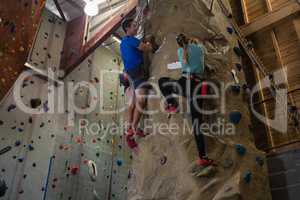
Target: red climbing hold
(74, 169)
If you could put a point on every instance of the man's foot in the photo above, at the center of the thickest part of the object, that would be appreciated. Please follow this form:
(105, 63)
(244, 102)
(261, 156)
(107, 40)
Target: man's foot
(131, 142)
(129, 132)
(205, 162)
(171, 108)
(140, 133)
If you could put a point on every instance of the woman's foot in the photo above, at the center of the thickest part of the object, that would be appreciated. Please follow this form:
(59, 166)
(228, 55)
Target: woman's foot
(205, 162)
(140, 133)
(171, 108)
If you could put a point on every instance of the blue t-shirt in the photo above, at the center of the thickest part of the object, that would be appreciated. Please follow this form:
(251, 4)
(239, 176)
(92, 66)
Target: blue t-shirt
(195, 56)
(131, 55)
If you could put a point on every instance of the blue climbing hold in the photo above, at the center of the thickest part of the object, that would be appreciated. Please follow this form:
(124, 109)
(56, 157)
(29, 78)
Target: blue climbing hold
(235, 117)
(20, 160)
(30, 147)
(247, 176)
(237, 51)
(230, 30)
(236, 89)
(259, 161)
(239, 66)
(240, 149)
(119, 162)
(17, 143)
(45, 106)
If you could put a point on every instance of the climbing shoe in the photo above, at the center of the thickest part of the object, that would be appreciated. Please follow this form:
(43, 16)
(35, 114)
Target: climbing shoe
(205, 162)
(171, 108)
(131, 142)
(129, 132)
(140, 133)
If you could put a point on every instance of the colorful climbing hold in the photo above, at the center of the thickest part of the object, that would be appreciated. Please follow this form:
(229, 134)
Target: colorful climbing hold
(247, 176)
(3, 188)
(235, 117)
(259, 161)
(237, 51)
(240, 149)
(239, 66)
(35, 103)
(163, 160)
(236, 89)
(119, 162)
(230, 30)
(11, 107)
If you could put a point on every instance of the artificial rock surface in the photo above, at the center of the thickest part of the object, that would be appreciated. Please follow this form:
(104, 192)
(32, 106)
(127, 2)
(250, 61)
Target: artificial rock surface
(164, 167)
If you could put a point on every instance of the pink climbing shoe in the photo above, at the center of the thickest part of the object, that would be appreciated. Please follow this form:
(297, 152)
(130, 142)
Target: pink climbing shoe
(204, 88)
(205, 162)
(171, 109)
(140, 133)
(131, 142)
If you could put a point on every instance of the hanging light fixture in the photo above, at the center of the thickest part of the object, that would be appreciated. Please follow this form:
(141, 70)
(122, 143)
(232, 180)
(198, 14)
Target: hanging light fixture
(91, 8)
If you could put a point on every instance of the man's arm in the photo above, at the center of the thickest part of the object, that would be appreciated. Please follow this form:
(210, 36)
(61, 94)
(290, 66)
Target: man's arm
(145, 47)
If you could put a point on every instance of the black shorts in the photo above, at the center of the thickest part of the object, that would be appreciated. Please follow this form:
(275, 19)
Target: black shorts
(137, 77)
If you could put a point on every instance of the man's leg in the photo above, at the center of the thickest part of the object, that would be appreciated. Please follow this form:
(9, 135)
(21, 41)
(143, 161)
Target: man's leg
(140, 105)
(131, 104)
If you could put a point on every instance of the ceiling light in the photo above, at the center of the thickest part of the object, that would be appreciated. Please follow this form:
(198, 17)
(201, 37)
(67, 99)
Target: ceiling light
(91, 8)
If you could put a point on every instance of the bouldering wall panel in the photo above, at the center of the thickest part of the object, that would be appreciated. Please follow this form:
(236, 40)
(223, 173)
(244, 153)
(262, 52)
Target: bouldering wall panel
(18, 24)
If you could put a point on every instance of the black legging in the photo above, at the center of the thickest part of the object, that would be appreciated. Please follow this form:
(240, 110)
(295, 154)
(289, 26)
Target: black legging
(169, 87)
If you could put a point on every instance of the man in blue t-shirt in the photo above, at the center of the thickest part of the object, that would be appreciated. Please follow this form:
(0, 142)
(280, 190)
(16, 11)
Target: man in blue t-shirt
(132, 50)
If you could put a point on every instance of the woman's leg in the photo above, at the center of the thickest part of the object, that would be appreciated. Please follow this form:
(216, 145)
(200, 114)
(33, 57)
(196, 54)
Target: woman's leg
(196, 104)
(167, 87)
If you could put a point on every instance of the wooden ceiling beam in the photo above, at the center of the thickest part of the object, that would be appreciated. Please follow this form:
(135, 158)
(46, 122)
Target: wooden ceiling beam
(108, 29)
(270, 18)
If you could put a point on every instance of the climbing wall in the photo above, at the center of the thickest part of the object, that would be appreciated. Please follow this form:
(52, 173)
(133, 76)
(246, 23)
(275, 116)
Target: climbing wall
(18, 24)
(45, 157)
(165, 166)
(47, 47)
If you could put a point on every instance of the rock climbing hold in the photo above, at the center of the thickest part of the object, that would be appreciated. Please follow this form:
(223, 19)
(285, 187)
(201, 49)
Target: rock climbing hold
(237, 51)
(240, 149)
(227, 163)
(247, 176)
(11, 107)
(235, 117)
(17, 143)
(45, 106)
(230, 30)
(236, 89)
(92, 170)
(5, 150)
(30, 147)
(119, 162)
(74, 169)
(239, 66)
(259, 161)
(3, 188)
(1, 122)
(163, 160)
(35, 103)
